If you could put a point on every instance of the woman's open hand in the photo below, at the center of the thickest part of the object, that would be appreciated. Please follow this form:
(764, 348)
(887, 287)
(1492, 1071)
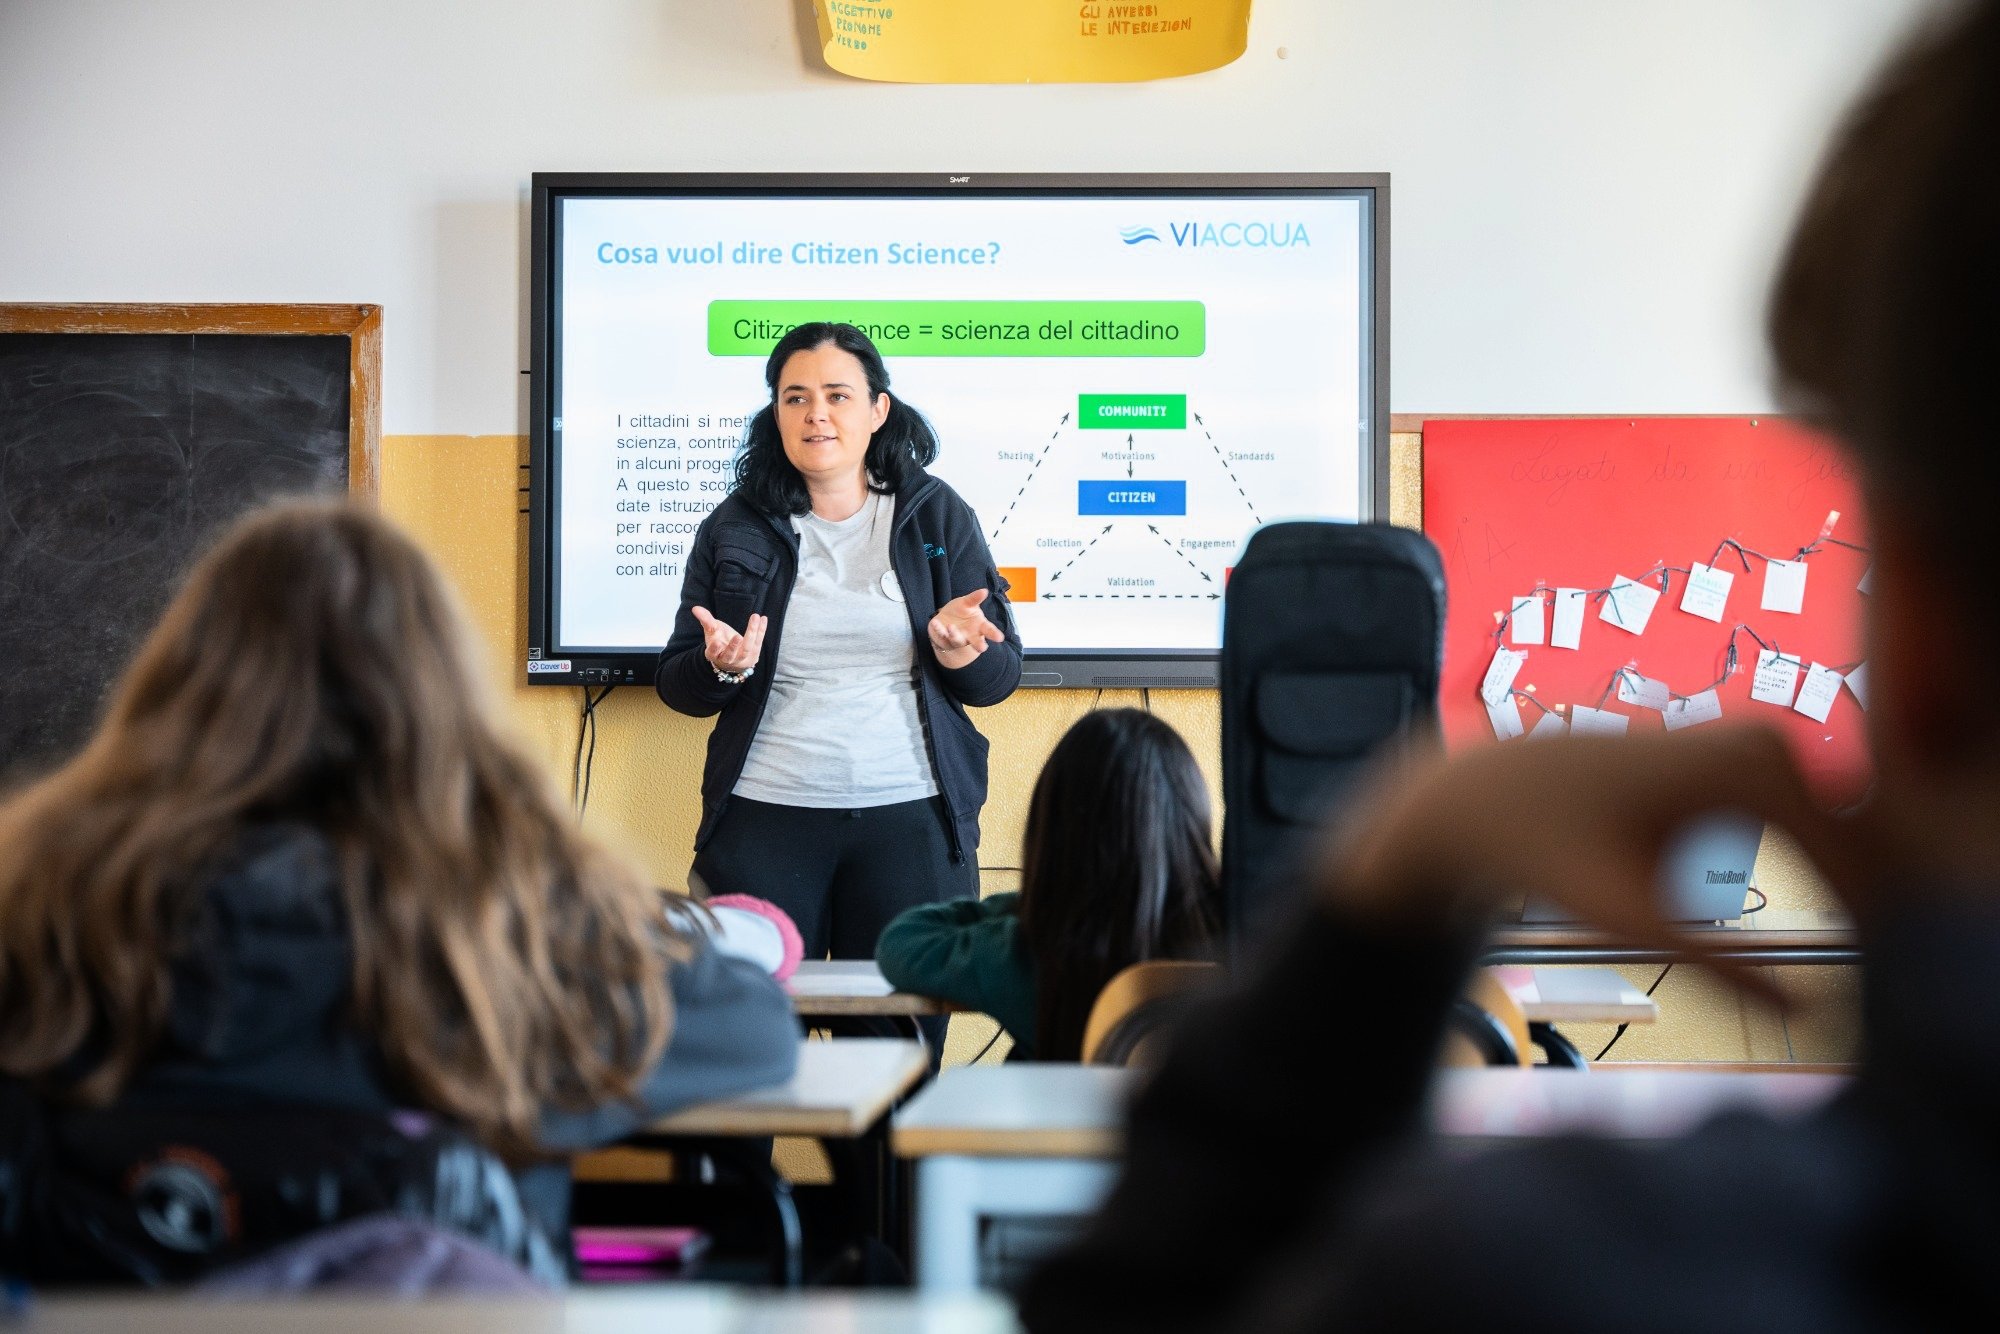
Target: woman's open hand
(726, 650)
(960, 631)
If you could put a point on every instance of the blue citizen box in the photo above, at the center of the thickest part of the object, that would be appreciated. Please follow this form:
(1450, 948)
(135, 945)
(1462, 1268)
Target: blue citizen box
(1128, 496)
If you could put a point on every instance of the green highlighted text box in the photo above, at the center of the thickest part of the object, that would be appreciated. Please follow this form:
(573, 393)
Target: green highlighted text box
(973, 328)
(1131, 412)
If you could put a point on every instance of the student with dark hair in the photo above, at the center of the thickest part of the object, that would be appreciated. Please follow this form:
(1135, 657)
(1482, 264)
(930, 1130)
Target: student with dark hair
(299, 867)
(1874, 1212)
(1117, 869)
(839, 611)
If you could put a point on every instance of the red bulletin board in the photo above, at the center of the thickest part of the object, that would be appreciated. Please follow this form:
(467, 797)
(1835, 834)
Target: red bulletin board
(1576, 502)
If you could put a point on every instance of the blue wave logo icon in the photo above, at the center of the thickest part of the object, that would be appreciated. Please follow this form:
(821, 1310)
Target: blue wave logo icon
(1134, 235)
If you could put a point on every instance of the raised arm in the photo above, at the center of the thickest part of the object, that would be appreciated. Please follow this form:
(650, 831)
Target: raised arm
(973, 635)
(685, 676)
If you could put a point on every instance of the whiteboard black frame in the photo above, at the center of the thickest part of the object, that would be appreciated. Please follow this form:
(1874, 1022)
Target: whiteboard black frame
(1045, 668)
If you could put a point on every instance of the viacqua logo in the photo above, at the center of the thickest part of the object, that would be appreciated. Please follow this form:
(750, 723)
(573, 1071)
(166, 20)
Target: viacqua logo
(1240, 235)
(1134, 235)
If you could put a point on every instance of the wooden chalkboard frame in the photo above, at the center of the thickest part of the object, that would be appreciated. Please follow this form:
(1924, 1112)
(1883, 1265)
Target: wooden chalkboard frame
(361, 325)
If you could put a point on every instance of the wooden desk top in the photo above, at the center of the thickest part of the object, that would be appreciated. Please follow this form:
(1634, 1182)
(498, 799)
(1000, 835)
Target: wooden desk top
(1577, 996)
(1068, 1111)
(1769, 929)
(1495, 1103)
(1018, 1110)
(842, 1087)
(637, 1309)
(854, 987)
(1772, 936)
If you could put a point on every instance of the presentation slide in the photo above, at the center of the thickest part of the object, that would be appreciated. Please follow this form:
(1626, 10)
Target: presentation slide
(1124, 388)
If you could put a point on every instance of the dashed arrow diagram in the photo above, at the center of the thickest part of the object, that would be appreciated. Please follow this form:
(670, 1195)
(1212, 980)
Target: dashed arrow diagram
(1079, 555)
(1175, 548)
(994, 536)
(1157, 597)
(1221, 458)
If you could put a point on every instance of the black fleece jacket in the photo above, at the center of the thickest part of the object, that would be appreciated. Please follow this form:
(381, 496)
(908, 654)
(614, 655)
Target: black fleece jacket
(744, 562)
(263, 981)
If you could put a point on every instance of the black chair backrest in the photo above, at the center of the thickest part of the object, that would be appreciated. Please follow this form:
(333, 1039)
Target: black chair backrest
(1332, 640)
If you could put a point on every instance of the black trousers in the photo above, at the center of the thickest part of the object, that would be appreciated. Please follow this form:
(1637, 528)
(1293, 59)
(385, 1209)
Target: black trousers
(841, 874)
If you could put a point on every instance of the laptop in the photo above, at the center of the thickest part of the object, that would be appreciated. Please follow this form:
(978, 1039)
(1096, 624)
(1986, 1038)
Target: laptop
(1704, 872)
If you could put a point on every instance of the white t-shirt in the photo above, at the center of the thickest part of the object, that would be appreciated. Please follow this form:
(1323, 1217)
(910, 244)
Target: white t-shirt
(841, 727)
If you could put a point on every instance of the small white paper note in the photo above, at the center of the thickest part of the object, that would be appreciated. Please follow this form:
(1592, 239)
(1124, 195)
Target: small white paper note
(1643, 691)
(1785, 586)
(1817, 695)
(1524, 624)
(1866, 575)
(1692, 711)
(1857, 682)
(1505, 717)
(1548, 725)
(1500, 674)
(1629, 605)
(1777, 678)
(1707, 592)
(1570, 606)
(1586, 721)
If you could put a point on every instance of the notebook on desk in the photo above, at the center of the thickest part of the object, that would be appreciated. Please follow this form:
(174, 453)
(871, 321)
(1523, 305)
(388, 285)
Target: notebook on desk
(1704, 873)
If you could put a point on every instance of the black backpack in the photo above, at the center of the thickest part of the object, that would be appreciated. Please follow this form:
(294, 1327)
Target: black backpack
(1332, 640)
(166, 1196)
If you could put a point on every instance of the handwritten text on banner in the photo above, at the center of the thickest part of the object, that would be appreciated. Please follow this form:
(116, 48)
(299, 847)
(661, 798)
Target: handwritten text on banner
(1030, 41)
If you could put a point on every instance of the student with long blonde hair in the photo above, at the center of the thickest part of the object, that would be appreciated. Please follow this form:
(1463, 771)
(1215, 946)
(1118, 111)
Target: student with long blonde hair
(297, 864)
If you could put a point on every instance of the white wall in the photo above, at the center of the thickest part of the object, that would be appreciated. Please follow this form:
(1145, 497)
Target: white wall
(1586, 193)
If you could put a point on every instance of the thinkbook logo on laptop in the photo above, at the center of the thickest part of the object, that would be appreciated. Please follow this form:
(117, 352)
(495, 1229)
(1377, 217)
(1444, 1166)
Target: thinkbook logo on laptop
(1728, 877)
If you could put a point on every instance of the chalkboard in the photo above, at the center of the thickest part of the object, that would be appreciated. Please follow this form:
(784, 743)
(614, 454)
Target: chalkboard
(128, 437)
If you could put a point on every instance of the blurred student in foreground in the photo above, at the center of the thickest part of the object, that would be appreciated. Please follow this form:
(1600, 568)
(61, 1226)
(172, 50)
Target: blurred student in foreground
(1271, 1190)
(298, 867)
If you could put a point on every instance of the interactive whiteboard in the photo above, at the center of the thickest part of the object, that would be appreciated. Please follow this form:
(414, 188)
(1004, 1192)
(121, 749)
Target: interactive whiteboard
(1128, 375)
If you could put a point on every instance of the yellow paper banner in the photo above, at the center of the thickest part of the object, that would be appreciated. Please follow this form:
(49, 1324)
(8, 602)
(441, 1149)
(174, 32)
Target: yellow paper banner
(1030, 41)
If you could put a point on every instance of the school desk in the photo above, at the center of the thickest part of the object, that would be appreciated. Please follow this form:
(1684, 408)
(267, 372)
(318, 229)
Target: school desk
(1019, 1140)
(844, 1088)
(836, 988)
(1770, 937)
(1551, 996)
(1577, 996)
(635, 1309)
(1041, 1141)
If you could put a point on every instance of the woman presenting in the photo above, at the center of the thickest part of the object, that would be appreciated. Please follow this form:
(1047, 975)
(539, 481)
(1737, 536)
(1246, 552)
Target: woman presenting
(839, 610)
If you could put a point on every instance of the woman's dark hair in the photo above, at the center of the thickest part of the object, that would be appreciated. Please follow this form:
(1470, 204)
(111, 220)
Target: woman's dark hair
(902, 445)
(1882, 318)
(1117, 866)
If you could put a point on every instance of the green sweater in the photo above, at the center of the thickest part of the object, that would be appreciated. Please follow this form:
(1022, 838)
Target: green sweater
(969, 951)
